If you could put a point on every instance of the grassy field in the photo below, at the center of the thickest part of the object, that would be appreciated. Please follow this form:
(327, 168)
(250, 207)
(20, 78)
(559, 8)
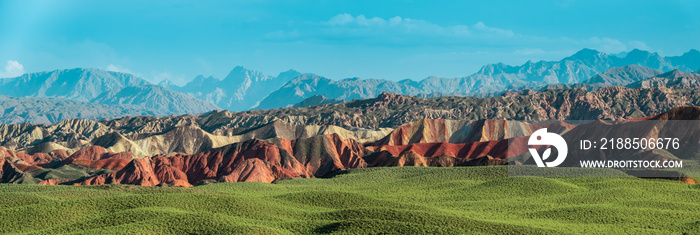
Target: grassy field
(407, 200)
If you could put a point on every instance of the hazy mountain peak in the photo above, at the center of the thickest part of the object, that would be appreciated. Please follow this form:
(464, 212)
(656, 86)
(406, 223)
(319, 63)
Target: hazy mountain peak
(288, 75)
(585, 53)
(688, 62)
(157, 98)
(623, 75)
(80, 84)
(639, 54)
(692, 52)
(201, 78)
(410, 82)
(240, 74)
(621, 54)
(490, 69)
(674, 74)
(352, 79)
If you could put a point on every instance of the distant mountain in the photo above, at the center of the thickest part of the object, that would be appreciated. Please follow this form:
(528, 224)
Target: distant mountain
(112, 94)
(686, 62)
(160, 100)
(75, 84)
(52, 110)
(494, 79)
(317, 100)
(621, 76)
(616, 76)
(674, 80)
(242, 89)
(649, 59)
(308, 85)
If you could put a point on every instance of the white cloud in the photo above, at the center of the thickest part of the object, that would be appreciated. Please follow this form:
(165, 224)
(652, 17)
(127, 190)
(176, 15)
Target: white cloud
(503, 32)
(341, 19)
(398, 26)
(347, 20)
(117, 68)
(401, 32)
(12, 69)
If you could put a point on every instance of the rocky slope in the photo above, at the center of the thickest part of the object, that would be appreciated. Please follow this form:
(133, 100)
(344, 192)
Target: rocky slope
(465, 131)
(363, 120)
(147, 136)
(268, 145)
(317, 156)
(392, 110)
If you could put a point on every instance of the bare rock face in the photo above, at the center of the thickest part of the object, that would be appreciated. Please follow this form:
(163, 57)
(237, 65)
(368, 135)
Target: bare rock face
(251, 170)
(323, 154)
(252, 160)
(383, 101)
(362, 120)
(679, 113)
(426, 142)
(11, 174)
(96, 157)
(95, 153)
(464, 131)
(139, 172)
(441, 154)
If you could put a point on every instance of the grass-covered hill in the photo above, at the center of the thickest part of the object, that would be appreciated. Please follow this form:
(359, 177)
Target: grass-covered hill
(404, 200)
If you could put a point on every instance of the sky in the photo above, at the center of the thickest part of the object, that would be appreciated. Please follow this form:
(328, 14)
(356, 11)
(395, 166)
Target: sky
(178, 40)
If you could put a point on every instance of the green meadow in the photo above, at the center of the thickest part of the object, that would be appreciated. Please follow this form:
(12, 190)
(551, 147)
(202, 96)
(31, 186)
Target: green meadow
(405, 200)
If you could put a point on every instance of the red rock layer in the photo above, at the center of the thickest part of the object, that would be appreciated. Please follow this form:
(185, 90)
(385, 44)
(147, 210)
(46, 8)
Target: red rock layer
(96, 157)
(10, 173)
(96, 152)
(323, 154)
(34, 159)
(139, 171)
(446, 154)
(247, 161)
(252, 160)
(446, 131)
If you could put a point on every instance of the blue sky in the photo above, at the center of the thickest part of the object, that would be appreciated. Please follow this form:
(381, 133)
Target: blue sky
(179, 40)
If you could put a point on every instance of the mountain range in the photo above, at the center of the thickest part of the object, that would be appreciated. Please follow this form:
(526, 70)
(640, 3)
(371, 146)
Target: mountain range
(492, 79)
(49, 97)
(241, 90)
(57, 95)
